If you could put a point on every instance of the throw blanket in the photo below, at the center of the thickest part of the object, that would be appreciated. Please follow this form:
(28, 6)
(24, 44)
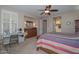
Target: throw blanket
(68, 44)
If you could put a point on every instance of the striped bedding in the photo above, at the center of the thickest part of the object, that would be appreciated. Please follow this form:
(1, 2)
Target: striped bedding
(59, 43)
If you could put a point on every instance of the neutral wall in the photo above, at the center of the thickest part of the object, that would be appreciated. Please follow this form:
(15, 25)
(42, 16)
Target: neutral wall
(69, 17)
(20, 17)
(38, 22)
(65, 18)
(0, 20)
(40, 27)
(50, 24)
(21, 20)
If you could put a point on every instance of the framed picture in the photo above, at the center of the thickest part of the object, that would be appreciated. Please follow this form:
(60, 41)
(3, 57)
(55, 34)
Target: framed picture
(29, 23)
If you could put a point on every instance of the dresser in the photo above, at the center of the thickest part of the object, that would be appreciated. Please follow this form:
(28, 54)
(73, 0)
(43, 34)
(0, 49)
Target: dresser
(31, 32)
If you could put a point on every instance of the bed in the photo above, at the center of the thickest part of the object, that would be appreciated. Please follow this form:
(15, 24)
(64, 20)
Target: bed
(59, 43)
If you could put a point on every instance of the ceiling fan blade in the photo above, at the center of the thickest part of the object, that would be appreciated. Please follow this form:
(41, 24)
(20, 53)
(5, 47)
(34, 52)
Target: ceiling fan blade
(42, 13)
(46, 7)
(47, 10)
(49, 6)
(41, 10)
(49, 14)
(55, 10)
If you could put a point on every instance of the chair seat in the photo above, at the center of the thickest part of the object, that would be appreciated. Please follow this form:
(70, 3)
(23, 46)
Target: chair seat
(13, 39)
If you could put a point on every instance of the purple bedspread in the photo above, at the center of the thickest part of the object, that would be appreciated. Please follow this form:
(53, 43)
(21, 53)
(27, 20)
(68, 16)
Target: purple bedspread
(66, 41)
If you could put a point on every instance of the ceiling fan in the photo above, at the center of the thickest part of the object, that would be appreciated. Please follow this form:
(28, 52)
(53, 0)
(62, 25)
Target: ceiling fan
(48, 10)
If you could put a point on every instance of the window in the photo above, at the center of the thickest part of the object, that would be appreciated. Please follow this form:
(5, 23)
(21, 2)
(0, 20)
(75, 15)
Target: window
(9, 21)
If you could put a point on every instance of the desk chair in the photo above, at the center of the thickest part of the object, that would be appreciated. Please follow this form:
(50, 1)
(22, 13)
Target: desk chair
(13, 39)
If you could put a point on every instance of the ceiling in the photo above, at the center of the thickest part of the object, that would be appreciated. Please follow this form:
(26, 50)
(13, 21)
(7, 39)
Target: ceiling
(34, 9)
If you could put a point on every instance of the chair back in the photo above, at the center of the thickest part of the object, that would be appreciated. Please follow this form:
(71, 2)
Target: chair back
(13, 38)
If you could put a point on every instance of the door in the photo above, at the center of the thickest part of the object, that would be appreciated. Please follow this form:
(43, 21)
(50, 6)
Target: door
(44, 26)
(77, 26)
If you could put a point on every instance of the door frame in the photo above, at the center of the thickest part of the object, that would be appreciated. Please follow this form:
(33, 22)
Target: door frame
(44, 29)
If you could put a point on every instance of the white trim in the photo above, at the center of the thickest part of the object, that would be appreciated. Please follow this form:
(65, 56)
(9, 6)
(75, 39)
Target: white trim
(2, 17)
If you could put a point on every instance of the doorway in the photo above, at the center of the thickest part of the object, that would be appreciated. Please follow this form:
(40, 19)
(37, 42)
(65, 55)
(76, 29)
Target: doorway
(44, 26)
(77, 26)
(57, 24)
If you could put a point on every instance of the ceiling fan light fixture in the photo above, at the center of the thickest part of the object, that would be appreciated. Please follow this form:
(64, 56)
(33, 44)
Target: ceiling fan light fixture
(47, 11)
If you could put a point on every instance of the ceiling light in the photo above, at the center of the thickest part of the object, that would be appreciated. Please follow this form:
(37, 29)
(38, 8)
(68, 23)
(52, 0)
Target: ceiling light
(47, 11)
